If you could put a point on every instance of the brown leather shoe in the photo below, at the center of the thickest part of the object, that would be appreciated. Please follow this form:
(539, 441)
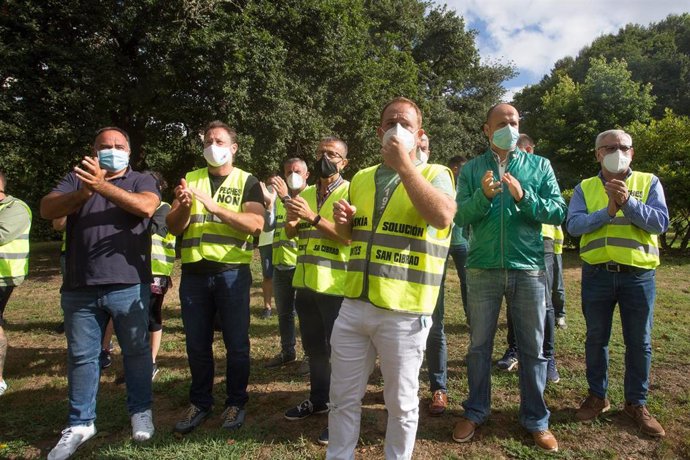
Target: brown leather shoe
(438, 404)
(464, 430)
(591, 408)
(648, 424)
(545, 441)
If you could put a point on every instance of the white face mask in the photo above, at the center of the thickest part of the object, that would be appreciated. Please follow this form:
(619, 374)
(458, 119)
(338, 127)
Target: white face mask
(422, 156)
(616, 162)
(295, 181)
(405, 137)
(216, 155)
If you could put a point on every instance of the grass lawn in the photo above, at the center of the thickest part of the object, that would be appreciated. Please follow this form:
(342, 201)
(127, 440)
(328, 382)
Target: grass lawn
(34, 409)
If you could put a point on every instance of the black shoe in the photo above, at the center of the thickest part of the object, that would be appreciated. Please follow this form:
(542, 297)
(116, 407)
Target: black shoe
(155, 371)
(304, 410)
(60, 329)
(280, 359)
(233, 417)
(323, 437)
(192, 419)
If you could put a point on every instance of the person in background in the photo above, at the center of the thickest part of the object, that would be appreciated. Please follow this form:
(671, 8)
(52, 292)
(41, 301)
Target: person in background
(285, 258)
(618, 214)
(15, 225)
(265, 245)
(108, 273)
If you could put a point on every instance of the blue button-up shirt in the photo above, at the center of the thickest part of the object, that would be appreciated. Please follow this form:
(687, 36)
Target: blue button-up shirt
(651, 216)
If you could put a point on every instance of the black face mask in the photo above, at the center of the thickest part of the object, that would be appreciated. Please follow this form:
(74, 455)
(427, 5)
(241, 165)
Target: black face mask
(326, 168)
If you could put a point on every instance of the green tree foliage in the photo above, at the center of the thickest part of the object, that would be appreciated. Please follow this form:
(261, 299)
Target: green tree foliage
(284, 74)
(571, 115)
(662, 147)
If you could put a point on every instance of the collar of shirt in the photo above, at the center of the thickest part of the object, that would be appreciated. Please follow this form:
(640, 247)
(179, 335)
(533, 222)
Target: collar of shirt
(320, 200)
(603, 179)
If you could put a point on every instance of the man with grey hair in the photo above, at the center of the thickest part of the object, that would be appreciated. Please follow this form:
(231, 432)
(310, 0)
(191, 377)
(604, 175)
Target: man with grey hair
(618, 213)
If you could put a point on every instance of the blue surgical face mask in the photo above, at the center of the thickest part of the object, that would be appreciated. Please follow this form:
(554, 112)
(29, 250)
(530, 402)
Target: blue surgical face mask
(505, 138)
(113, 160)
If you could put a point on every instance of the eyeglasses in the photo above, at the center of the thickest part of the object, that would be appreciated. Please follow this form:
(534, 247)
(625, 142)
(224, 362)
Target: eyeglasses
(331, 155)
(613, 147)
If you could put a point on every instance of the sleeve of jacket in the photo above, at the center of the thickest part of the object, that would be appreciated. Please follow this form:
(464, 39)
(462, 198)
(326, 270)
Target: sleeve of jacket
(547, 205)
(472, 203)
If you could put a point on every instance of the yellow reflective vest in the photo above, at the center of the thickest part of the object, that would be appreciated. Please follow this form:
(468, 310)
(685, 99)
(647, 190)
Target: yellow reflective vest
(397, 262)
(554, 232)
(619, 241)
(284, 248)
(206, 236)
(14, 255)
(321, 261)
(162, 252)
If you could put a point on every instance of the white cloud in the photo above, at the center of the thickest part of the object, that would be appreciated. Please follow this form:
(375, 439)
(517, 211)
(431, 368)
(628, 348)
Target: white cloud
(534, 34)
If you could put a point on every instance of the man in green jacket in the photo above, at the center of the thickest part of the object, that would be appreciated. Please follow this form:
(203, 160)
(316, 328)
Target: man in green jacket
(505, 195)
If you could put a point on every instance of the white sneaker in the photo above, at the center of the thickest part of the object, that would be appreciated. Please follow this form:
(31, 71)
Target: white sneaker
(560, 323)
(142, 426)
(3, 387)
(71, 439)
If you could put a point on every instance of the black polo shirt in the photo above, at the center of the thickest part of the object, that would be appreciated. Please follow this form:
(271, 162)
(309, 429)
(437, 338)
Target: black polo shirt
(104, 243)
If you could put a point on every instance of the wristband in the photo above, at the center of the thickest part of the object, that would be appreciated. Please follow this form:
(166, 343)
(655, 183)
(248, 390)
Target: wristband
(285, 198)
(316, 220)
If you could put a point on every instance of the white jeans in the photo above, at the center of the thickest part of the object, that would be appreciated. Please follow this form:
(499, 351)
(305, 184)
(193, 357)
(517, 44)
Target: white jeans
(361, 331)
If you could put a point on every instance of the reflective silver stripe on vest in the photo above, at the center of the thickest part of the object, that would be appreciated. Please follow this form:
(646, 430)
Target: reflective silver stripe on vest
(396, 273)
(311, 233)
(621, 243)
(160, 243)
(402, 243)
(620, 221)
(321, 262)
(557, 241)
(215, 239)
(163, 258)
(197, 219)
(285, 243)
(13, 255)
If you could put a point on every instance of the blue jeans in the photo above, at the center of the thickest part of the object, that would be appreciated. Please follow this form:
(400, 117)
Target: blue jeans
(558, 293)
(87, 311)
(201, 296)
(525, 292)
(284, 294)
(550, 321)
(634, 292)
(317, 314)
(459, 254)
(436, 345)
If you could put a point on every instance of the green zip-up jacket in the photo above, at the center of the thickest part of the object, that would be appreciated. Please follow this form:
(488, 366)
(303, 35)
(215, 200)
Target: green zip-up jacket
(505, 234)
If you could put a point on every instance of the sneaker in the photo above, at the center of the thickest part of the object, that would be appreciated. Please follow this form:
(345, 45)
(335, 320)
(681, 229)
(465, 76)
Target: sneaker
(439, 402)
(304, 410)
(3, 387)
(591, 408)
(192, 419)
(303, 368)
(233, 417)
(71, 439)
(280, 359)
(266, 314)
(648, 424)
(509, 362)
(60, 328)
(142, 426)
(464, 430)
(552, 374)
(155, 371)
(105, 359)
(545, 441)
(323, 437)
(560, 323)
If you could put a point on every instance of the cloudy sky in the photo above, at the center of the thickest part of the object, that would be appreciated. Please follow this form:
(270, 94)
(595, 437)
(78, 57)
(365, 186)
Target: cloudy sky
(534, 34)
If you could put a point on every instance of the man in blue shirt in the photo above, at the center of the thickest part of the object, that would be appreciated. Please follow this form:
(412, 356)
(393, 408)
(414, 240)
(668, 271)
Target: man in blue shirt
(618, 214)
(108, 273)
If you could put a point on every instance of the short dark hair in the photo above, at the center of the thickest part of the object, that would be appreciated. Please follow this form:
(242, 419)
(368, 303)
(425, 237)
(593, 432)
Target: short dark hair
(113, 128)
(457, 160)
(335, 139)
(219, 124)
(405, 101)
(524, 140)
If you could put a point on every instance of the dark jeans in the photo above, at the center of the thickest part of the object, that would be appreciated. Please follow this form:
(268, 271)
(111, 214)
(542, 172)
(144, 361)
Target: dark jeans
(201, 296)
(284, 294)
(550, 324)
(634, 292)
(317, 313)
(558, 294)
(5, 293)
(436, 345)
(459, 254)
